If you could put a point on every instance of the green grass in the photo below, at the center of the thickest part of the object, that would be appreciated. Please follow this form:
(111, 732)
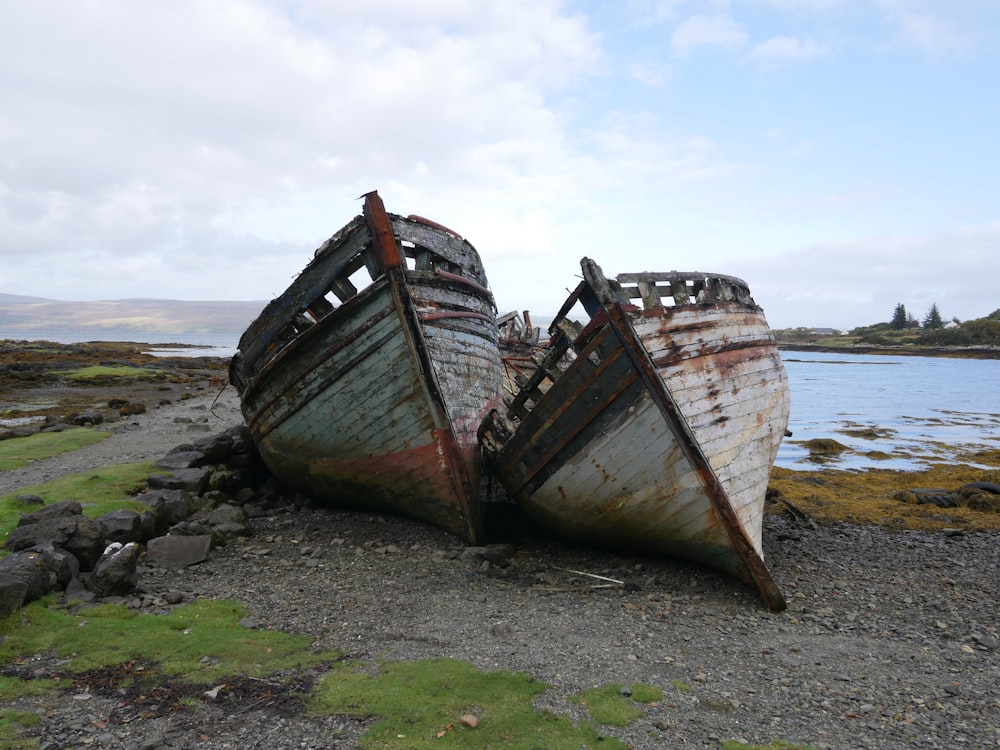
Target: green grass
(681, 686)
(608, 706)
(103, 372)
(17, 452)
(101, 491)
(11, 725)
(420, 704)
(111, 635)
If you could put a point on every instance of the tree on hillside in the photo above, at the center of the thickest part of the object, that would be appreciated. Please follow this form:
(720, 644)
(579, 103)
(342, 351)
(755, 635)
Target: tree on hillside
(933, 318)
(898, 322)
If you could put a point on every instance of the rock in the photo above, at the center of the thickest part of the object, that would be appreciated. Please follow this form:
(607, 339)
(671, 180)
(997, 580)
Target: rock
(115, 572)
(30, 500)
(88, 417)
(30, 569)
(12, 593)
(61, 563)
(47, 531)
(227, 514)
(174, 551)
(122, 526)
(186, 459)
(86, 542)
(169, 506)
(62, 509)
(194, 481)
(131, 408)
(216, 448)
(470, 721)
(228, 522)
(988, 642)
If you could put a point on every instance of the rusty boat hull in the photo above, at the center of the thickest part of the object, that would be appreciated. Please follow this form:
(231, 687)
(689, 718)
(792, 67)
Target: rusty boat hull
(370, 396)
(654, 427)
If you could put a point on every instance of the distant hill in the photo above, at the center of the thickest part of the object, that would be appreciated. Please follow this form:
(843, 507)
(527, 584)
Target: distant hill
(21, 314)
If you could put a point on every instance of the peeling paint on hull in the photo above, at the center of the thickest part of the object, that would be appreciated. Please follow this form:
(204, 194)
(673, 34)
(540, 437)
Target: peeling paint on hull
(658, 431)
(374, 403)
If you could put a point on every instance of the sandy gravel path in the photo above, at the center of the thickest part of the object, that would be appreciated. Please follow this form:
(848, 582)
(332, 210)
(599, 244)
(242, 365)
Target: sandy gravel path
(142, 437)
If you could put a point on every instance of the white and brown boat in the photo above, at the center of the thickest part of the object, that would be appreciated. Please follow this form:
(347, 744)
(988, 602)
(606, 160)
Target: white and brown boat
(652, 428)
(364, 383)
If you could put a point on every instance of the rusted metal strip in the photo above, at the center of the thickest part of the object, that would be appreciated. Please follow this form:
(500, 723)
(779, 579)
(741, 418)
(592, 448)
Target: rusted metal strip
(467, 282)
(383, 240)
(445, 315)
(431, 223)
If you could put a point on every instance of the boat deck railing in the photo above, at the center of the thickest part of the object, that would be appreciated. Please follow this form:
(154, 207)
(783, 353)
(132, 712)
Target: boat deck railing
(673, 288)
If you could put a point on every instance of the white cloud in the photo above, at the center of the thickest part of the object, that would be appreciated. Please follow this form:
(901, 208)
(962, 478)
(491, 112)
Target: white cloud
(818, 6)
(176, 128)
(858, 282)
(202, 150)
(785, 50)
(697, 32)
(942, 29)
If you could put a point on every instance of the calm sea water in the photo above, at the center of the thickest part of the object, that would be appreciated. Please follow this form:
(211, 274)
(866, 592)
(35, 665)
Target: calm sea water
(917, 409)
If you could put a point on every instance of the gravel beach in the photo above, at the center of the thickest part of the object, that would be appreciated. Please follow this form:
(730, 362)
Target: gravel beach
(890, 639)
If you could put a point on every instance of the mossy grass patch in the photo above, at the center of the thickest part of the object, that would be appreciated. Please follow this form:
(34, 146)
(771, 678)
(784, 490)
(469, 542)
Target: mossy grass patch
(615, 705)
(199, 642)
(17, 452)
(100, 491)
(421, 705)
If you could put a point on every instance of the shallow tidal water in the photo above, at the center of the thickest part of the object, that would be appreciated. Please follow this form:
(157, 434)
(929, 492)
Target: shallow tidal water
(893, 412)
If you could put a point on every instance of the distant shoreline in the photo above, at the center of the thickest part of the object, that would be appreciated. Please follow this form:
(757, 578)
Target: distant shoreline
(958, 352)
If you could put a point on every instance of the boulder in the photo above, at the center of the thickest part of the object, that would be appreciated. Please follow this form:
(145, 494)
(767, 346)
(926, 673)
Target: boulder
(60, 563)
(12, 594)
(174, 551)
(55, 531)
(169, 506)
(86, 543)
(31, 569)
(62, 509)
(115, 572)
(122, 526)
(186, 459)
(194, 481)
(217, 448)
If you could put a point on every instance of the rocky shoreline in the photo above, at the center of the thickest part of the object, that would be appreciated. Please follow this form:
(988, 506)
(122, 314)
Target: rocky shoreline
(889, 641)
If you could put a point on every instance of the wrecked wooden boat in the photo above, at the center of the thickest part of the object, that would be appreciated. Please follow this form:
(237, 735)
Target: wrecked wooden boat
(364, 383)
(653, 427)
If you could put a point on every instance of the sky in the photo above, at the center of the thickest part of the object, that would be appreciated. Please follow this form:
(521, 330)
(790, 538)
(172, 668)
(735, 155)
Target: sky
(841, 156)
